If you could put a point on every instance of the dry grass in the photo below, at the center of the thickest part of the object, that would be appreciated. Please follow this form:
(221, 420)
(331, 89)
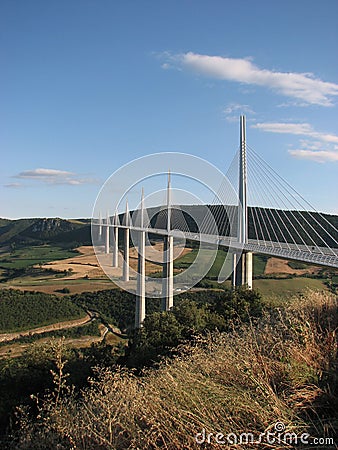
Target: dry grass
(87, 265)
(47, 286)
(280, 369)
(277, 265)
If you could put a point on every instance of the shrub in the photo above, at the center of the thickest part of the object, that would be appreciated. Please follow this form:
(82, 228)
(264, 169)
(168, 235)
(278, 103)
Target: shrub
(283, 368)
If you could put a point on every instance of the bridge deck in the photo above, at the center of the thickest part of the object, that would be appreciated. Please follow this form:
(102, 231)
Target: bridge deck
(322, 256)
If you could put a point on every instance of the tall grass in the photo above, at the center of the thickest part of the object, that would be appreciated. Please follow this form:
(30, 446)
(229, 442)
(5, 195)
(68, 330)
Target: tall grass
(279, 369)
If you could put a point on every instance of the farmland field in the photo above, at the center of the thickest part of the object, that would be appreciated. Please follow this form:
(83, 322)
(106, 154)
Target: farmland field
(36, 254)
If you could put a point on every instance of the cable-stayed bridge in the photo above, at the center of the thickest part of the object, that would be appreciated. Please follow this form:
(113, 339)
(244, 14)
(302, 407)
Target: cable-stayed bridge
(257, 211)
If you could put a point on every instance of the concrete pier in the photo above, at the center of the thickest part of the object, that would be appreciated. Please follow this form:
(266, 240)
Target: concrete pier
(115, 262)
(116, 247)
(140, 311)
(242, 263)
(248, 270)
(125, 270)
(125, 274)
(100, 227)
(168, 258)
(168, 273)
(242, 269)
(106, 249)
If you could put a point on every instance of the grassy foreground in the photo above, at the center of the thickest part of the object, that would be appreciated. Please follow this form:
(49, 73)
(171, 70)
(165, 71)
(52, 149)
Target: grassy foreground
(280, 370)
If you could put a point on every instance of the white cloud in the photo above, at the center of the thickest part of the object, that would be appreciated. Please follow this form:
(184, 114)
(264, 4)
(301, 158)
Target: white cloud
(44, 173)
(53, 176)
(320, 148)
(302, 86)
(304, 129)
(318, 156)
(13, 185)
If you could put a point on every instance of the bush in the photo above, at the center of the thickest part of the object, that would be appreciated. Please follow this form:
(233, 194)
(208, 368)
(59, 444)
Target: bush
(65, 290)
(21, 311)
(282, 369)
(208, 311)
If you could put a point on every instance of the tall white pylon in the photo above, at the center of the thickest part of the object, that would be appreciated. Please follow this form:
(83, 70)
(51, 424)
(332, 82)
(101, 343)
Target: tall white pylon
(242, 263)
(140, 310)
(100, 225)
(115, 262)
(125, 275)
(107, 234)
(168, 258)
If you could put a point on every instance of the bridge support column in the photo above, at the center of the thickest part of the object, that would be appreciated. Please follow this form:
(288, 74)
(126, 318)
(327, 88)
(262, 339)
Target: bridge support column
(107, 244)
(168, 274)
(125, 275)
(140, 311)
(100, 227)
(242, 269)
(116, 247)
(234, 268)
(248, 270)
(242, 262)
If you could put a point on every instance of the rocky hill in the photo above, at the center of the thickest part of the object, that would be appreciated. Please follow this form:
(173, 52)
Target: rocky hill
(43, 230)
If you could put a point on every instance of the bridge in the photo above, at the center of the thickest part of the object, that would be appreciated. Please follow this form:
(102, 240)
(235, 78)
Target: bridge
(284, 225)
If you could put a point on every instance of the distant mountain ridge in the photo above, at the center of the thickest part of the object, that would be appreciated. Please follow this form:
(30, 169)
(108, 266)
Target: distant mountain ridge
(76, 232)
(43, 230)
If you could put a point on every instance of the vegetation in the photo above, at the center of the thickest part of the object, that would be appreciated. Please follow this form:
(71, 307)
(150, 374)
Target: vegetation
(297, 265)
(193, 314)
(115, 306)
(90, 329)
(24, 257)
(40, 231)
(21, 311)
(25, 376)
(259, 263)
(281, 289)
(280, 368)
(185, 261)
(221, 360)
(27, 260)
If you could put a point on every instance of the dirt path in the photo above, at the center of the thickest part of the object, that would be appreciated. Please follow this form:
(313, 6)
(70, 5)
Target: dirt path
(55, 326)
(17, 349)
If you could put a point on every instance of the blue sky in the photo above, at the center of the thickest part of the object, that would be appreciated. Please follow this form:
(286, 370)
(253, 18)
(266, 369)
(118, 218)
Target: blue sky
(87, 86)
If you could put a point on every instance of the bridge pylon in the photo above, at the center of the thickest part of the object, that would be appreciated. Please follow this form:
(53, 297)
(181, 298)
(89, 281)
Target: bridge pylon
(168, 259)
(106, 243)
(125, 273)
(100, 226)
(140, 311)
(115, 261)
(242, 262)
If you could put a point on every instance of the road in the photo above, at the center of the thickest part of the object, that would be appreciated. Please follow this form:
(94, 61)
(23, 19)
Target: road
(6, 337)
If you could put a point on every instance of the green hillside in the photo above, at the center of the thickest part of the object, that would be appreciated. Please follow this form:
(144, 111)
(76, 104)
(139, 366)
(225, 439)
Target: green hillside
(44, 230)
(300, 226)
(25, 310)
(263, 223)
(217, 387)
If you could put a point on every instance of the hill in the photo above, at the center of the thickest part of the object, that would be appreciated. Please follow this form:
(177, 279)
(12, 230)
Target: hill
(77, 232)
(266, 384)
(301, 227)
(44, 230)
